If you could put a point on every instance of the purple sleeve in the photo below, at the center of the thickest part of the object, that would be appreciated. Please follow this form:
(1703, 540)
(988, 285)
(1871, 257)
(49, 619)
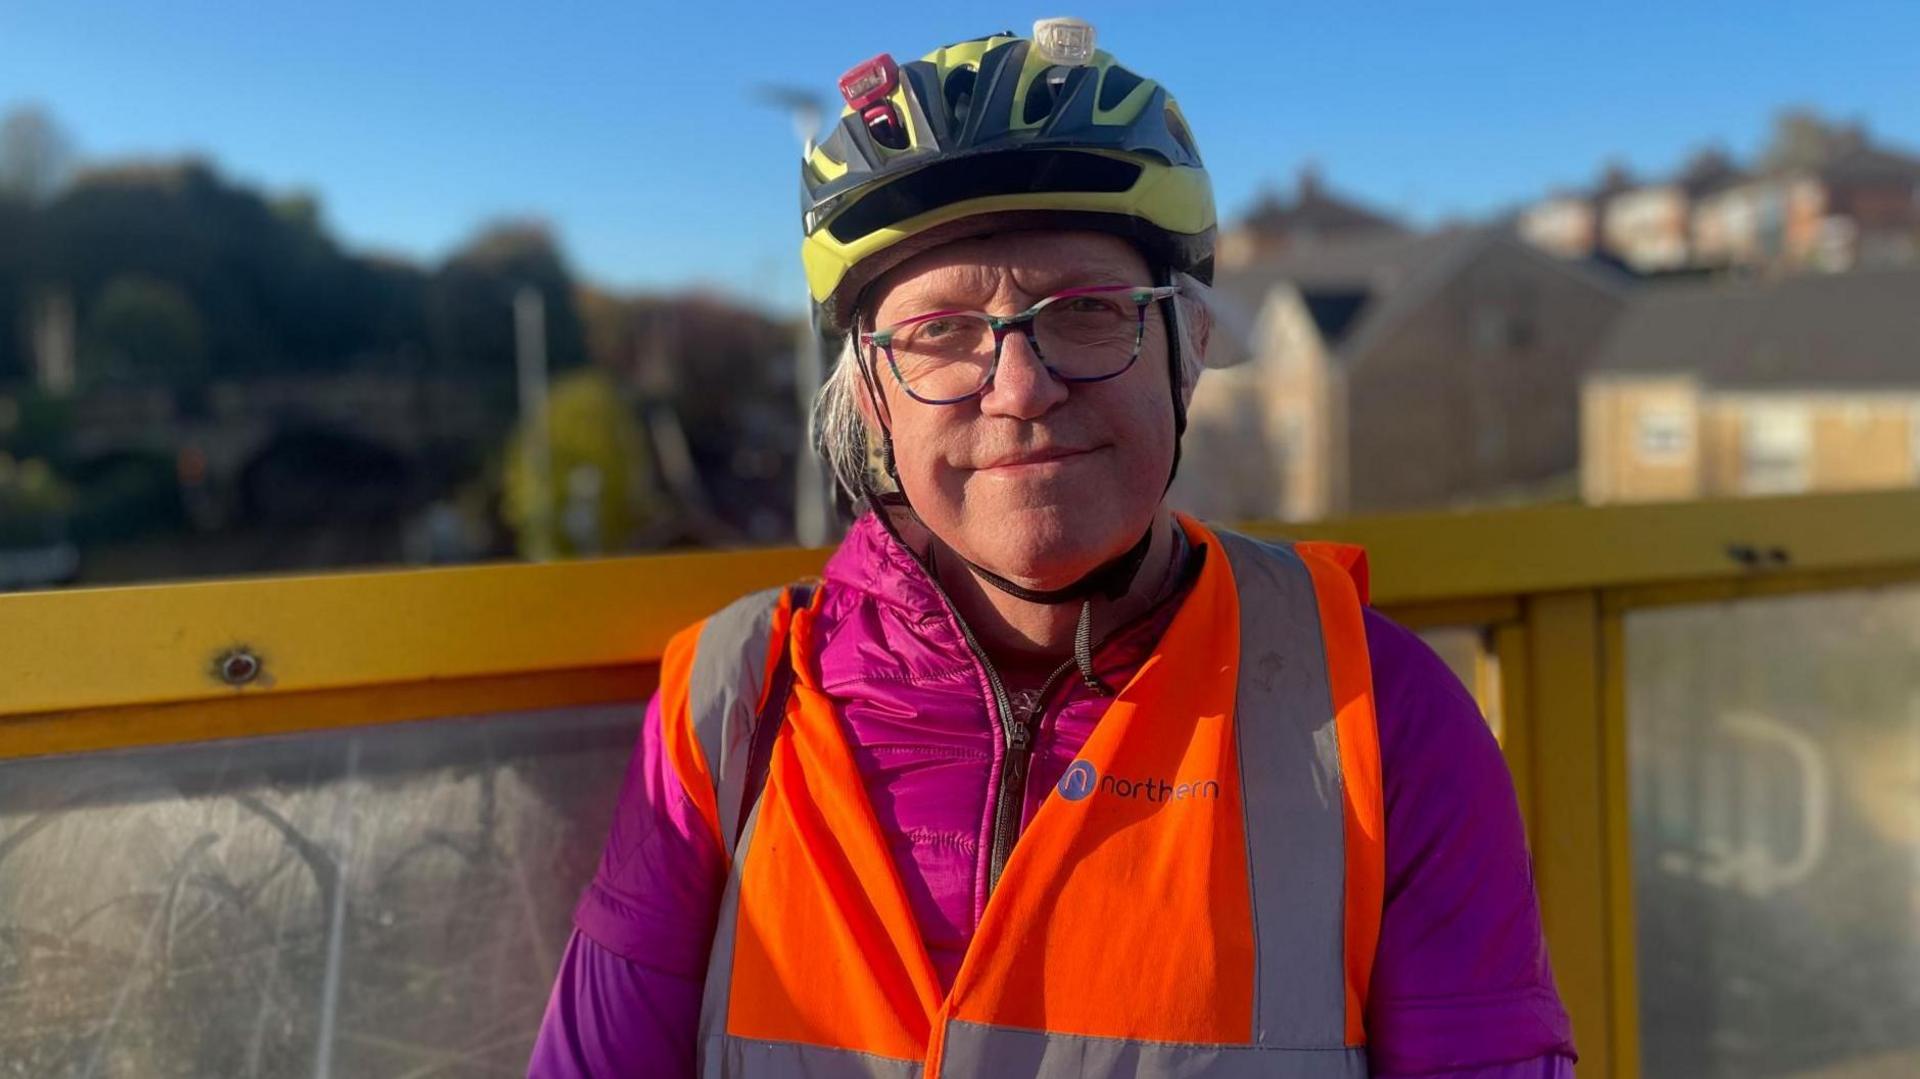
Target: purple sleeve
(1462, 987)
(627, 998)
(610, 1016)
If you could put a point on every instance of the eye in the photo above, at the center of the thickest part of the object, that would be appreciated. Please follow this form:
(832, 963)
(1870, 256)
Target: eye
(938, 328)
(1088, 308)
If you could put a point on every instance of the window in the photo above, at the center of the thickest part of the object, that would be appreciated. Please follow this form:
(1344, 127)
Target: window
(1913, 438)
(1664, 435)
(1776, 449)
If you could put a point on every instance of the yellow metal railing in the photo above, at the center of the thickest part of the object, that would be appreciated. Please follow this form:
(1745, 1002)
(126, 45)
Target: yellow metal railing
(1547, 588)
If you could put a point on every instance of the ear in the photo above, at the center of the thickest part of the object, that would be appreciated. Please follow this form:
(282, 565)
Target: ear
(1199, 319)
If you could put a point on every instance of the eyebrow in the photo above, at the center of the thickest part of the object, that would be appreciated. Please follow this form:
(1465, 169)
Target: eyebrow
(1060, 282)
(965, 295)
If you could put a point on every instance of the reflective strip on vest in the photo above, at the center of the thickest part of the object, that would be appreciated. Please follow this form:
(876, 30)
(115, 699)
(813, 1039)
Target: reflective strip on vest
(712, 676)
(729, 673)
(1200, 897)
(975, 1050)
(788, 1060)
(1322, 765)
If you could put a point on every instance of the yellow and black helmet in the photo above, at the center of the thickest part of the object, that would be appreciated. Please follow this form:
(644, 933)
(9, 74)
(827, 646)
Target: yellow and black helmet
(996, 134)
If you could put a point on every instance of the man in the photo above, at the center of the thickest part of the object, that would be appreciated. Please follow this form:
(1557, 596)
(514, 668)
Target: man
(1042, 779)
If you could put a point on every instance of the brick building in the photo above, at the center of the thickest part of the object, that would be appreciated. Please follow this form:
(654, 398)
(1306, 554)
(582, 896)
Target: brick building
(1396, 373)
(1804, 384)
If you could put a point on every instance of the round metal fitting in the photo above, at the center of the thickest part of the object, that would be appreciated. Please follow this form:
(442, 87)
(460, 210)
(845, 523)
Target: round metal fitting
(238, 666)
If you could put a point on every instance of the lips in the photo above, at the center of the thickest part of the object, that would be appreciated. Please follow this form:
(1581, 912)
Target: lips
(1027, 458)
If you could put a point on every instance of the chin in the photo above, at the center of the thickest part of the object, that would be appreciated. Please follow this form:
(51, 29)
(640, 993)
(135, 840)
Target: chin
(1045, 529)
(1049, 545)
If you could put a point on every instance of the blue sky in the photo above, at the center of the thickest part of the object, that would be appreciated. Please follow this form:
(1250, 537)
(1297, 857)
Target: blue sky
(631, 127)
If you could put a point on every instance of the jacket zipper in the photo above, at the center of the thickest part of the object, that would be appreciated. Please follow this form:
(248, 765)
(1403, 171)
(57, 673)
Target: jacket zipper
(1022, 724)
(1017, 728)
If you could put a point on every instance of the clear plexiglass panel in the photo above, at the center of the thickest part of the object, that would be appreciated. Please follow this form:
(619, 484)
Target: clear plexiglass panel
(386, 902)
(1774, 756)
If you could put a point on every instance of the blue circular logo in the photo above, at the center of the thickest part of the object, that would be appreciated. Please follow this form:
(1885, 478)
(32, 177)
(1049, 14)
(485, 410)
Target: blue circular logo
(1079, 781)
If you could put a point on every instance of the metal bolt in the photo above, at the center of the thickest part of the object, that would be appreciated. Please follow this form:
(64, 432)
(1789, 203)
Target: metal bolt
(238, 667)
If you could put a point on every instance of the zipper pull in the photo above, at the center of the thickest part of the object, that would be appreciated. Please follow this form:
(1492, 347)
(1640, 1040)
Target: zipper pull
(1020, 732)
(1020, 738)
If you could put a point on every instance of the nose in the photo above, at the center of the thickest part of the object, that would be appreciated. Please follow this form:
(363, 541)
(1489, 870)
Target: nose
(1022, 386)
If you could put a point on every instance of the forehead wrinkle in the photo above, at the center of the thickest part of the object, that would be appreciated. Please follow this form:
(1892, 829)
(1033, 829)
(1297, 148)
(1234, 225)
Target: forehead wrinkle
(987, 284)
(955, 285)
(1035, 284)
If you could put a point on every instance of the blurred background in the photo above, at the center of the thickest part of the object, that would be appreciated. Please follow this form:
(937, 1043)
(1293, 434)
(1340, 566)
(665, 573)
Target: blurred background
(285, 290)
(359, 285)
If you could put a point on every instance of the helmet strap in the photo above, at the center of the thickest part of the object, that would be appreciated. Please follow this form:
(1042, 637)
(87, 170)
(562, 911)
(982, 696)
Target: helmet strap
(877, 400)
(1175, 371)
(1110, 580)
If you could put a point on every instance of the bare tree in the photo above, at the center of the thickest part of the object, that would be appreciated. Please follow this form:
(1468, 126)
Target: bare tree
(1803, 139)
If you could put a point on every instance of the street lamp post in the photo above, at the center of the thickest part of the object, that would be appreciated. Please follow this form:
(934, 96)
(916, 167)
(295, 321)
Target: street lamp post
(530, 362)
(812, 500)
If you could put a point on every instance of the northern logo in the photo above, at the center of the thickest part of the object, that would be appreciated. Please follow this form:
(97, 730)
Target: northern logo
(1079, 781)
(1082, 781)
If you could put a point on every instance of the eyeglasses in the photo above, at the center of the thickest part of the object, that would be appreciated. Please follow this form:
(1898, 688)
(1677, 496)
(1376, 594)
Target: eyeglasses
(1081, 335)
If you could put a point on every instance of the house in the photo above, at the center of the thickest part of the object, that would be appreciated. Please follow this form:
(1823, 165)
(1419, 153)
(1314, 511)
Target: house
(1650, 226)
(1565, 223)
(1647, 227)
(1570, 224)
(1822, 197)
(1778, 221)
(1847, 203)
(1395, 373)
(1807, 383)
(1872, 204)
(1313, 217)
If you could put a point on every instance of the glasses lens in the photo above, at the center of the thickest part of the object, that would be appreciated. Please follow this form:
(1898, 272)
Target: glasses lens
(944, 357)
(1089, 336)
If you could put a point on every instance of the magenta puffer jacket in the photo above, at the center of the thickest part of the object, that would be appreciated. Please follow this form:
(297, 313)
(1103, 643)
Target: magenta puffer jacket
(1461, 984)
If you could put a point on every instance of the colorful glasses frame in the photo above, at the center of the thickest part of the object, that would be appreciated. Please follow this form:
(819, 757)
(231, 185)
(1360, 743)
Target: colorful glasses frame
(1142, 295)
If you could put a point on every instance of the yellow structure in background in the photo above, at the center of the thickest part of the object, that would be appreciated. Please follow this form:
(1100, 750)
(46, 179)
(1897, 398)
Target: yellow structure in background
(592, 498)
(1545, 588)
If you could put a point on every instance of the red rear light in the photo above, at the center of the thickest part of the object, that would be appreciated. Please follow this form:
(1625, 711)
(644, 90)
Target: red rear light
(884, 124)
(870, 82)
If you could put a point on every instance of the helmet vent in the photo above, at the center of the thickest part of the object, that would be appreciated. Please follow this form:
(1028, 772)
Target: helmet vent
(1020, 172)
(959, 93)
(1039, 98)
(1177, 127)
(1116, 85)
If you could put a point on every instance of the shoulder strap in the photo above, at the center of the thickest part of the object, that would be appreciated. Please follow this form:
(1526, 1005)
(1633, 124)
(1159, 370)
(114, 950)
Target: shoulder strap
(772, 715)
(1347, 556)
(721, 686)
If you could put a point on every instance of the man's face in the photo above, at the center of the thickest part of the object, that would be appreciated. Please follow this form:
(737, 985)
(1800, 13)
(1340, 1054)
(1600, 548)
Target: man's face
(1036, 479)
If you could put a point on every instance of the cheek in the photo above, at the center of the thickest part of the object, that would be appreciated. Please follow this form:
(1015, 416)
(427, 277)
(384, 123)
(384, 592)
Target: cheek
(923, 438)
(1143, 417)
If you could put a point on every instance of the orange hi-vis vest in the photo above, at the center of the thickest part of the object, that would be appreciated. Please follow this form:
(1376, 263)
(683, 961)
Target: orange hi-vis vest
(1199, 896)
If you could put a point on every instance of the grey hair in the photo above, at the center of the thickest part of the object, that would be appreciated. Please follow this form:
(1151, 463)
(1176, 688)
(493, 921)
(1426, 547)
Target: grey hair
(839, 431)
